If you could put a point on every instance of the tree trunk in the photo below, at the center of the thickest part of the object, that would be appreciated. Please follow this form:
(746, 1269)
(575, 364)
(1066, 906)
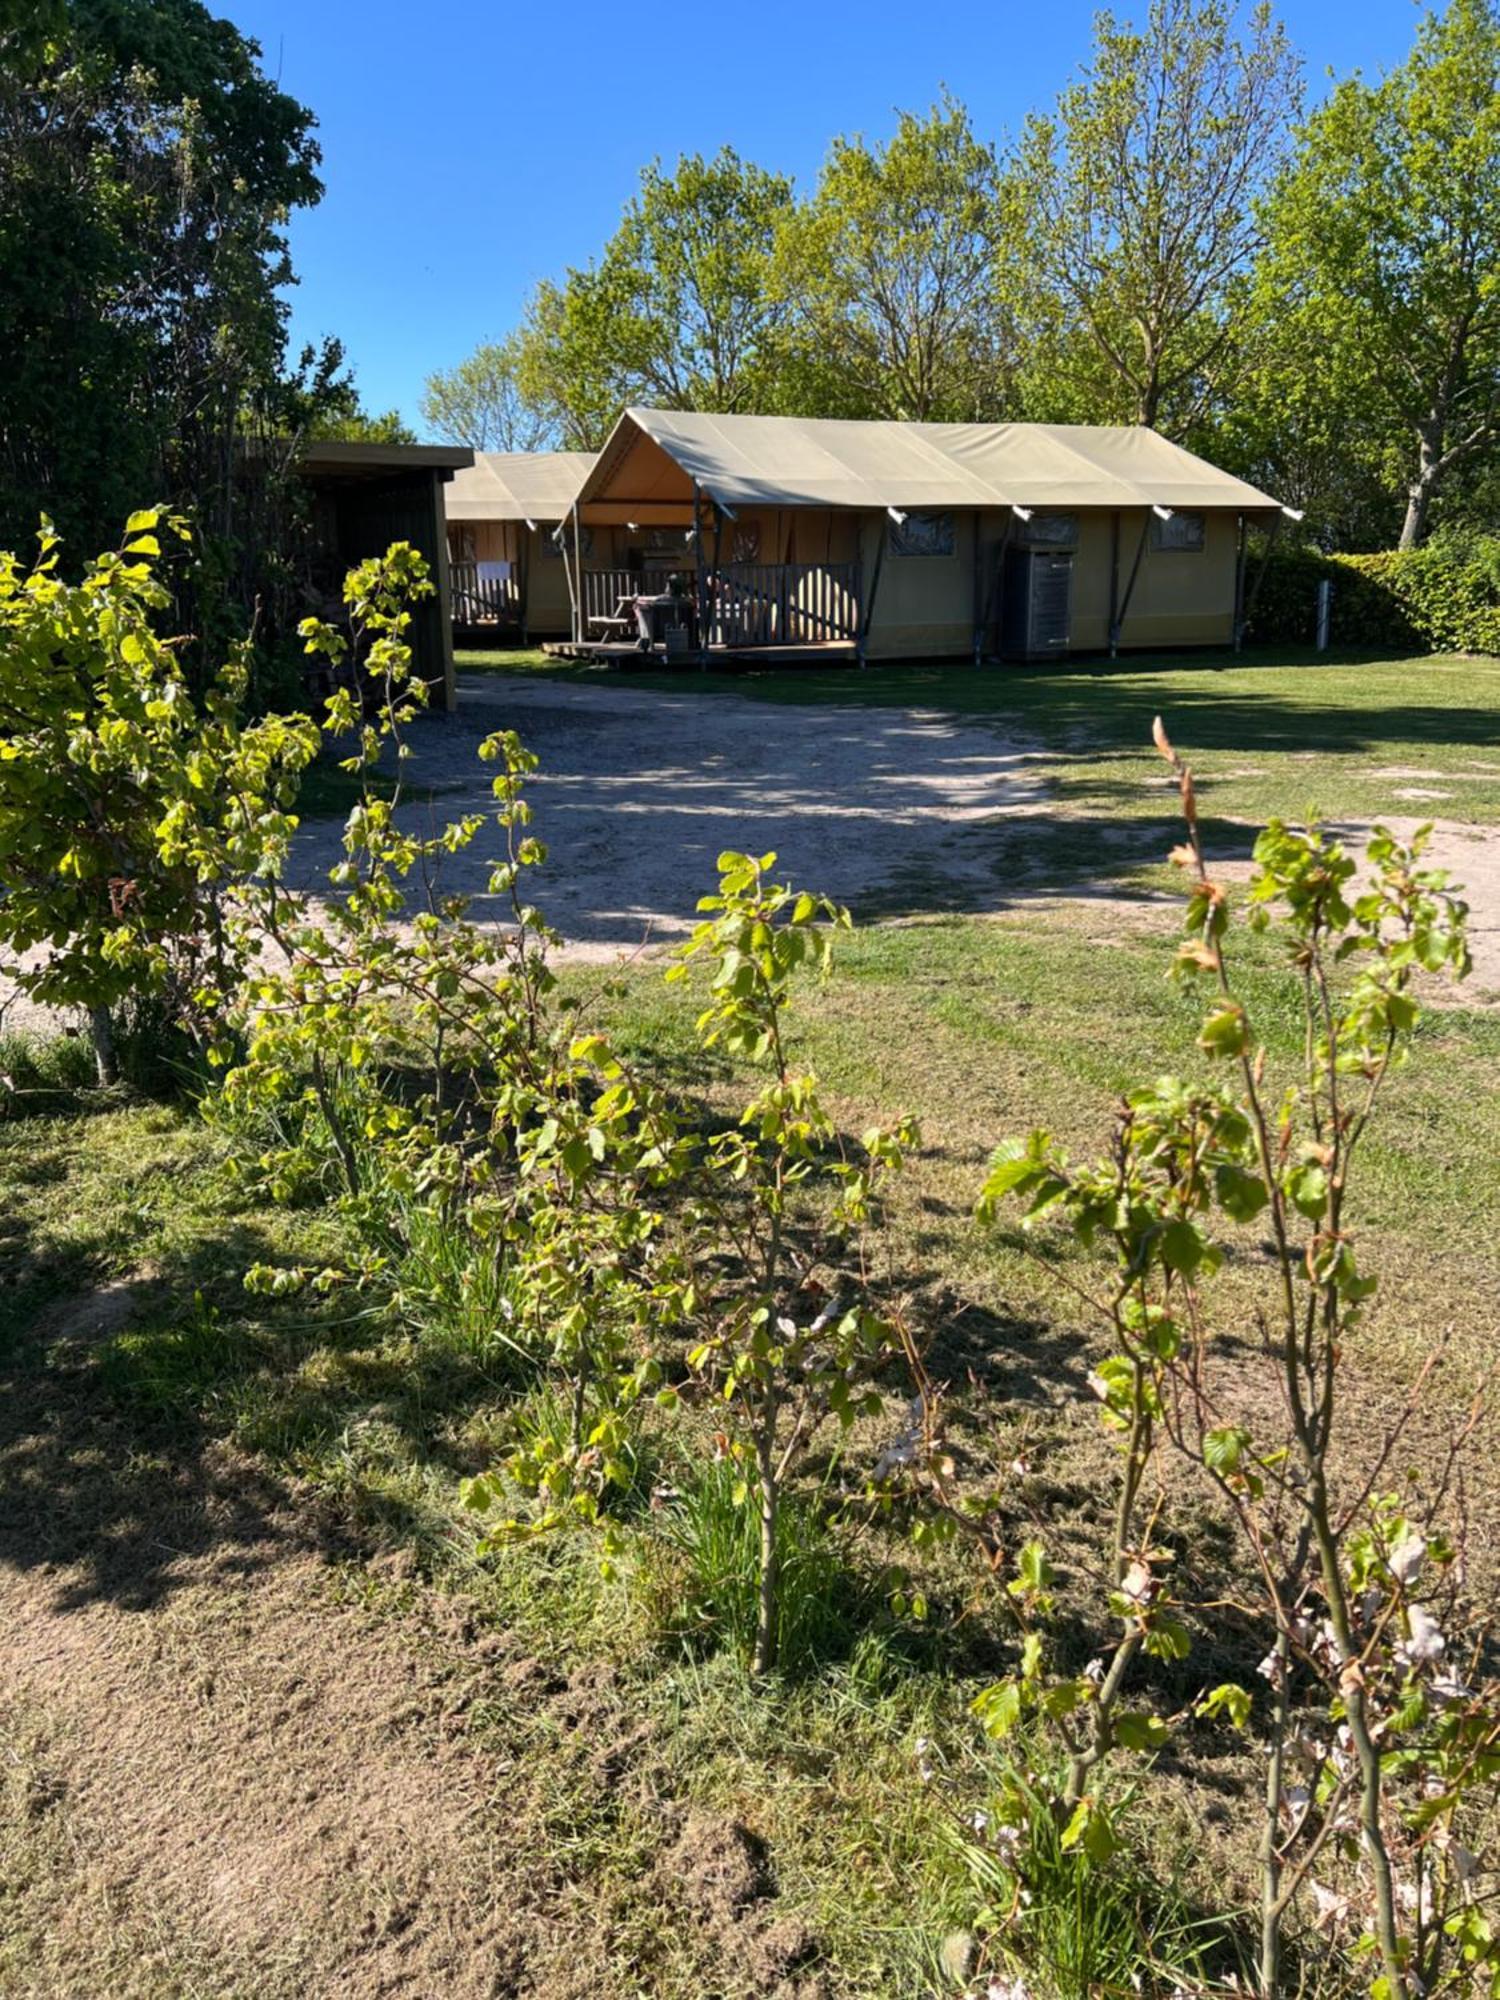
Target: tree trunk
(1421, 490)
(763, 1660)
(1418, 500)
(102, 1028)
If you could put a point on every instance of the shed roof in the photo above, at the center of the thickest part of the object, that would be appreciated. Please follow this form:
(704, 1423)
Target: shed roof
(744, 461)
(360, 457)
(517, 486)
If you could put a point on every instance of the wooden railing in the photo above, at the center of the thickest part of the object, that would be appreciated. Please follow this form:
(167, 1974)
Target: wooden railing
(483, 600)
(603, 589)
(749, 604)
(784, 604)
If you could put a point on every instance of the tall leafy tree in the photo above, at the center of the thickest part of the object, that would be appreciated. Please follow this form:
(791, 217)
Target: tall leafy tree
(1383, 259)
(147, 167)
(890, 270)
(1140, 213)
(482, 402)
(679, 309)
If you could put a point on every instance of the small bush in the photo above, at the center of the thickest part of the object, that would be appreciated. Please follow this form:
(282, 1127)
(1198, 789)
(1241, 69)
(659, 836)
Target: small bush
(1087, 1928)
(713, 1527)
(1443, 597)
(38, 1072)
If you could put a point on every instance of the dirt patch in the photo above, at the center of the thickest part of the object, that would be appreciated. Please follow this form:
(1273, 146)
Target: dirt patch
(225, 1769)
(257, 1791)
(718, 1872)
(639, 791)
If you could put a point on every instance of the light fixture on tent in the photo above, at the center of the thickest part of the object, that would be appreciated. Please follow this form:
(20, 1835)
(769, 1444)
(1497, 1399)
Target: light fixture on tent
(634, 527)
(897, 516)
(1293, 513)
(1161, 513)
(688, 537)
(1021, 513)
(532, 525)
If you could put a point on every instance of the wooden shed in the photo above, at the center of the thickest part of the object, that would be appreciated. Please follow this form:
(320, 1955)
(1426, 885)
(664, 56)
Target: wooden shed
(911, 540)
(366, 496)
(510, 579)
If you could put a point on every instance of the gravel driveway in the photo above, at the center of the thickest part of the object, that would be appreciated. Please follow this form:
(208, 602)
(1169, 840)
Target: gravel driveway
(639, 791)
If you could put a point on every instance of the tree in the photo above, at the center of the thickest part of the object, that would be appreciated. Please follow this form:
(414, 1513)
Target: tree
(678, 310)
(132, 819)
(1140, 208)
(1383, 252)
(481, 402)
(147, 167)
(890, 272)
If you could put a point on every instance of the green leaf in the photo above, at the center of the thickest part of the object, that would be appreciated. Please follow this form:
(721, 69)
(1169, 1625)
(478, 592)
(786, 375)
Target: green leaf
(1226, 1031)
(999, 1708)
(1135, 1731)
(1229, 1700)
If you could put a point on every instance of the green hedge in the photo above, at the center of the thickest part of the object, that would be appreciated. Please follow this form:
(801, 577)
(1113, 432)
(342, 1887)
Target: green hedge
(1441, 598)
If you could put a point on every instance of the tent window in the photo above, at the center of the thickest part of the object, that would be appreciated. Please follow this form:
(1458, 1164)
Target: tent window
(1050, 531)
(922, 534)
(1182, 534)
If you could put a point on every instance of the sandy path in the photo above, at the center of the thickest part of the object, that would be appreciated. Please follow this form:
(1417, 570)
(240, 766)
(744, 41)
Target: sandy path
(640, 791)
(895, 811)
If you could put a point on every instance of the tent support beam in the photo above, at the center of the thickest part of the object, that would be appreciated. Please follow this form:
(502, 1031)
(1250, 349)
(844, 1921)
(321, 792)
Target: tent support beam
(1135, 569)
(1114, 575)
(1237, 631)
(700, 581)
(575, 586)
(719, 513)
(1256, 581)
(997, 583)
(523, 576)
(978, 594)
(867, 611)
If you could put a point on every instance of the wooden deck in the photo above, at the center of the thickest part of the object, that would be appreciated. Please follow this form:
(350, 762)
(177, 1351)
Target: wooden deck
(626, 655)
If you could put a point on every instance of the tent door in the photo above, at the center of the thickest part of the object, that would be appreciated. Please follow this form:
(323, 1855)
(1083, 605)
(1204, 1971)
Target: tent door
(1036, 612)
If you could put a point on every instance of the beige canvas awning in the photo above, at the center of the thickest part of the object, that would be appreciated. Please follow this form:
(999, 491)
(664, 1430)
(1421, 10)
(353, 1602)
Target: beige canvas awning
(742, 461)
(517, 486)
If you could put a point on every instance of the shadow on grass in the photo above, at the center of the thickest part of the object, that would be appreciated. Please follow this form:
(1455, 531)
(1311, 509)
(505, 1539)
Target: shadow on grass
(144, 1423)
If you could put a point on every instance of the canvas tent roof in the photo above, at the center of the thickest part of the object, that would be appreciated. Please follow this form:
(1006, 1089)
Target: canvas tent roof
(743, 461)
(517, 486)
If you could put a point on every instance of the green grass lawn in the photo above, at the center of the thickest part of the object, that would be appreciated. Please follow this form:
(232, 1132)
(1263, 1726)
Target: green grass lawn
(983, 1029)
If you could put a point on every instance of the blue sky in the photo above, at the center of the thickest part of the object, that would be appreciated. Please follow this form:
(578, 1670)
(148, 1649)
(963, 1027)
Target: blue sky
(473, 148)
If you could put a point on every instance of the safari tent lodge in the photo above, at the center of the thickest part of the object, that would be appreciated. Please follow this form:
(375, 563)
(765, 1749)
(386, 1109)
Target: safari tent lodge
(504, 558)
(751, 537)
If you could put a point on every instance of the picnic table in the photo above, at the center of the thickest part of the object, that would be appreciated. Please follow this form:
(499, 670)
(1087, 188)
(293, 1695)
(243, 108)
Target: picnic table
(650, 617)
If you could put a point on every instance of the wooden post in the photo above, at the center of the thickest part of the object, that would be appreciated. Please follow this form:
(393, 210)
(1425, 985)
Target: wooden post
(698, 574)
(1114, 578)
(579, 607)
(714, 575)
(1135, 569)
(444, 592)
(1238, 629)
(525, 534)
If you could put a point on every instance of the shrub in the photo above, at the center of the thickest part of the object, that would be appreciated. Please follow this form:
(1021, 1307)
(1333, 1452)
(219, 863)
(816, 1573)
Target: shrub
(130, 815)
(1443, 597)
(716, 1593)
(1381, 1750)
